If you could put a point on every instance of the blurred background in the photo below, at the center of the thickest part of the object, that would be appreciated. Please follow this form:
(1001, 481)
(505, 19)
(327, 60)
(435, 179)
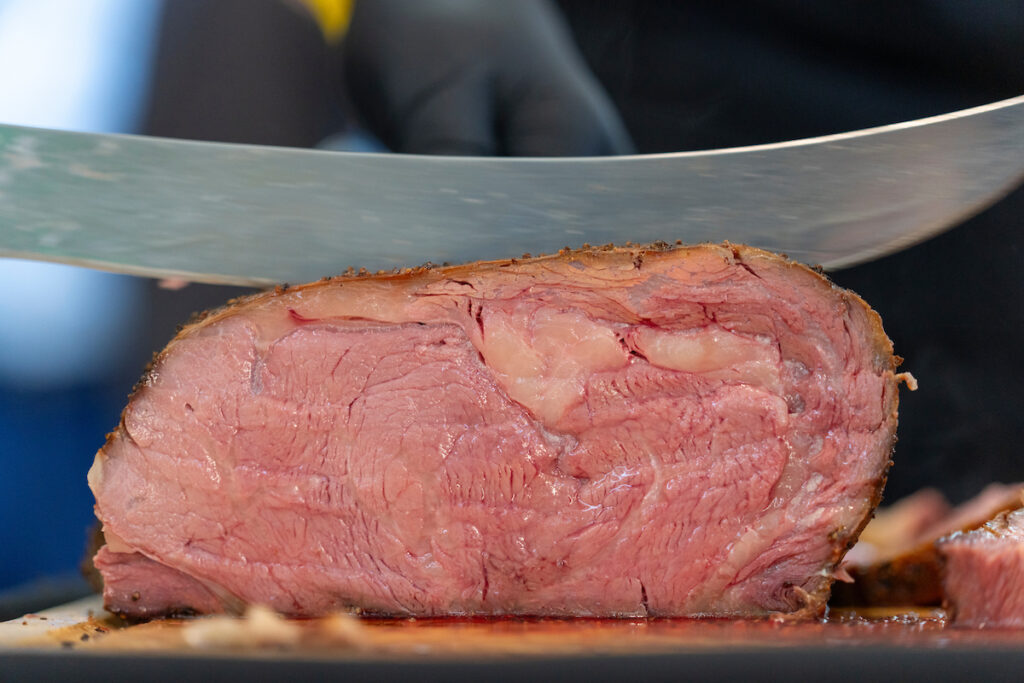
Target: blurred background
(69, 341)
(651, 76)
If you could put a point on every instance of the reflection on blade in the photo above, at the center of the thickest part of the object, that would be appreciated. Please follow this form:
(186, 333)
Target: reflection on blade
(258, 215)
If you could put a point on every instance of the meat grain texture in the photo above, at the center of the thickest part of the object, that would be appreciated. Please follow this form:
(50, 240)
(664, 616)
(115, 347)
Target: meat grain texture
(604, 432)
(984, 573)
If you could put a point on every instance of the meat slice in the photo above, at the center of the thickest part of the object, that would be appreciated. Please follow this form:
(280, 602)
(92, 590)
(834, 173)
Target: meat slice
(898, 527)
(984, 573)
(897, 563)
(605, 432)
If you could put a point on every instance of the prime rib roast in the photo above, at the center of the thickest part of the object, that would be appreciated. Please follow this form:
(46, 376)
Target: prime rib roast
(603, 432)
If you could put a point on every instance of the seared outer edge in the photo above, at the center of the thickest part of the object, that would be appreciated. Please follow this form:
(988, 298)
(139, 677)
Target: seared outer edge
(885, 363)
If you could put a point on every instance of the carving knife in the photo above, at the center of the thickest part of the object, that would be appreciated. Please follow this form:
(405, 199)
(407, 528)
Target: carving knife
(250, 215)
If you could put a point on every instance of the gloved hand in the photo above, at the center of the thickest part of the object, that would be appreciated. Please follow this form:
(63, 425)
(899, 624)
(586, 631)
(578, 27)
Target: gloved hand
(476, 77)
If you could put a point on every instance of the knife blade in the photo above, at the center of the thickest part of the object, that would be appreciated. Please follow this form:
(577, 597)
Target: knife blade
(251, 215)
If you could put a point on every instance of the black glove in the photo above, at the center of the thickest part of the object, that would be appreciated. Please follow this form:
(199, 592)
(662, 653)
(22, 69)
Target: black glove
(476, 77)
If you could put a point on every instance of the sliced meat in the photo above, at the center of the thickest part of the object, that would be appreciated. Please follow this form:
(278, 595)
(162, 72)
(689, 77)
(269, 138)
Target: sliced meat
(984, 573)
(898, 527)
(604, 432)
(896, 562)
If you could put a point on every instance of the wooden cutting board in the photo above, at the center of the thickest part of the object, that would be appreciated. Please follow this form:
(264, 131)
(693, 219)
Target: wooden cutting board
(85, 626)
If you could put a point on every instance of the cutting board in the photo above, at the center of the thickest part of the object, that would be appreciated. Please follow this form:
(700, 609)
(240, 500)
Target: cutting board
(81, 641)
(85, 626)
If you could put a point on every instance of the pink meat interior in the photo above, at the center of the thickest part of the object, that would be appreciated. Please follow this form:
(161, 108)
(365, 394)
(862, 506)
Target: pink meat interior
(685, 436)
(984, 573)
